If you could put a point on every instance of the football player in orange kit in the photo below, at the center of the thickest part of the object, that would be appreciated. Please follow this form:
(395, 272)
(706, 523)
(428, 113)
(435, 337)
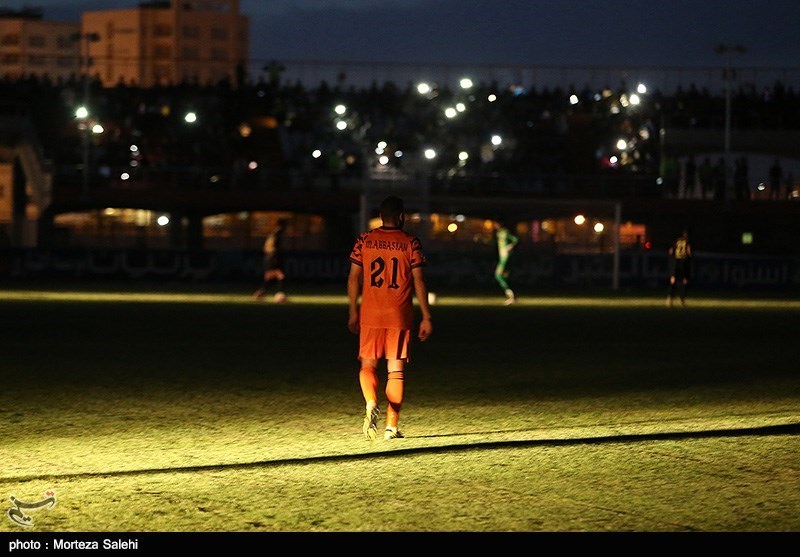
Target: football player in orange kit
(385, 275)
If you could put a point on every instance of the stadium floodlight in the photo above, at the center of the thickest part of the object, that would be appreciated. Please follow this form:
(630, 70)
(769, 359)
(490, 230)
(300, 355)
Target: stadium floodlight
(461, 107)
(341, 125)
(496, 140)
(465, 83)
(340, 109)
(423, 88)
(163, 220)
(635, 99)
(622, 144)
(97, 129)
(579, 220)
(190, 118)
(316, 153)
(641, 88)
(598, 227)
(463, 155)
(81, 112)
(383, 160)
(491, 98)
(573, 99)
(450, 112)
(452, 227)
(430, 154)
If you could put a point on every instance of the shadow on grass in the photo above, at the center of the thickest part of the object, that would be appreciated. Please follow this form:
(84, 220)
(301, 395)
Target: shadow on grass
(394, 450)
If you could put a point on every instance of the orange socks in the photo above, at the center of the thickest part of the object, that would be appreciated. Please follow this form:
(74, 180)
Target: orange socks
(368, 377)
(394, 394)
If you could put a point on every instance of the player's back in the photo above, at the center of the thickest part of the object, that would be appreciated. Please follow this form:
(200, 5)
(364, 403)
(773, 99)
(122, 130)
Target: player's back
(387, 256)
(681, 248)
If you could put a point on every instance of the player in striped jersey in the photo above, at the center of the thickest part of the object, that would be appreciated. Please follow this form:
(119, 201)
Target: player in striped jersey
(680, 267)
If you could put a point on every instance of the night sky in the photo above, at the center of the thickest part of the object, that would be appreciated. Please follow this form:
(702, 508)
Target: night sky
(649, 33)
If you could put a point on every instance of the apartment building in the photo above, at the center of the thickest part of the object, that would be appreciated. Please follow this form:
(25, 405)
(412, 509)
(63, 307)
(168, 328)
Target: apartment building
(33, 46)
(163, 43)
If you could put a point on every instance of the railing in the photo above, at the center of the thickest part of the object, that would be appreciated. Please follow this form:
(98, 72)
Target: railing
(665, 79)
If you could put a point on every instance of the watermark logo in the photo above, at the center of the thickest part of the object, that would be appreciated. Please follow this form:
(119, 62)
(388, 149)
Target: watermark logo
(17, 513)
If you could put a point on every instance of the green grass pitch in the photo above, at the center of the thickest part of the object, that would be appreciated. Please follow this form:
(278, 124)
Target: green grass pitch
(153, 411)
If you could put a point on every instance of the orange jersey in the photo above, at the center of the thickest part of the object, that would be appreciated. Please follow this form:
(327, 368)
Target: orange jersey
(387, 256)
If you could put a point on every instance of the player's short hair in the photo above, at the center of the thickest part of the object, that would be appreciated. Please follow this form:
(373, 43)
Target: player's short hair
(391, 208)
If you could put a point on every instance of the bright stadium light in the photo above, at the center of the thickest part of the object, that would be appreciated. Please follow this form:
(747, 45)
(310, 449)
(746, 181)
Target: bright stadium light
(190, 118)
(316, 153)
(622, 144)
(461, 107)
(598, 227)
(81, 112)
(465, 83)
(430, 154)
(463, 155)
(452, 227)
(163, 220)
(340, 109)
(579, 220)
(635, 99)
(573, 99)
(641, 89)
(450, 112)
(423, 88)
(496, 140)
(491, 98)
(341, 125)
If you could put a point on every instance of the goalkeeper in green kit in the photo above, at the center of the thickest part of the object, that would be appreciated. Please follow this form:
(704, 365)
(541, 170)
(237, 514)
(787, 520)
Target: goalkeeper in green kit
(506, 241)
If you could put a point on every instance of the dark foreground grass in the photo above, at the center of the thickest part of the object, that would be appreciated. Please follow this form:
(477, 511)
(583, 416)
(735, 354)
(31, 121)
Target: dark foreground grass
(172, 413)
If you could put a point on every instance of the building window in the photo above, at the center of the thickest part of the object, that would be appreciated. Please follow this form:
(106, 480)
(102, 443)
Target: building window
(161, 51)
(36, 60)
(219, 33)
(191, 32)
(66, 62)
(162, 30)
(190, 53)
(10, 60)
(37, 41)
(10, 39)
(219, 54)
(65, 42)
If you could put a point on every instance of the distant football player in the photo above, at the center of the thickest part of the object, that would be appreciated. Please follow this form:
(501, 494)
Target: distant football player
(273, 264)
(680, 268)
(386, 273)
(506, 242)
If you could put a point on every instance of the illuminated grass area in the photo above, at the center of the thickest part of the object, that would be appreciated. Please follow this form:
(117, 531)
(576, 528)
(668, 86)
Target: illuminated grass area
(170, 411)
(442, 300)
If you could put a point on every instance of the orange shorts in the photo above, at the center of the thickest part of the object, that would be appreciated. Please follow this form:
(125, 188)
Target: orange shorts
(376, 343)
